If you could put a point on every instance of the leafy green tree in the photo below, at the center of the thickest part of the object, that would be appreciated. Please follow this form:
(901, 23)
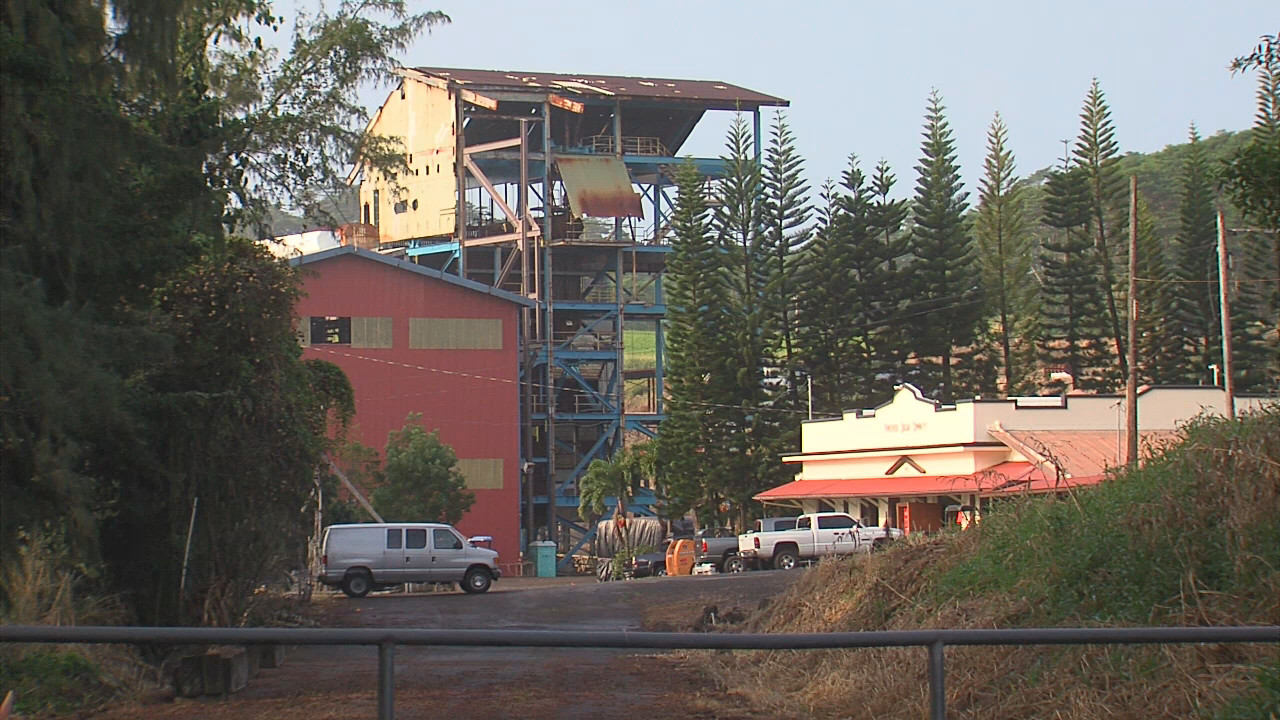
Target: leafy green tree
(1196, 305)
(234, 418)
(697, 372)
(615, 481)
(147, 360)
(1096, 154)
(1005, 252)
(1071, 307)
(947, 289)
(1252, 174)
(1251, 178)
(292, 123)
(420, 480)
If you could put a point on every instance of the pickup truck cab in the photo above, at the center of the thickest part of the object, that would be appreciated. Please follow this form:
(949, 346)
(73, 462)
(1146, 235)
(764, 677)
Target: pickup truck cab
(815, 535)
(718, 547)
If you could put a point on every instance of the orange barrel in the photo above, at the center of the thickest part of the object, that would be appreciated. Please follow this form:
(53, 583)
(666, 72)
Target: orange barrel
(680, 557)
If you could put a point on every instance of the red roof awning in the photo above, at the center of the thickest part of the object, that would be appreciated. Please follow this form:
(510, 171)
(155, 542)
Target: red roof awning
(1005, 478)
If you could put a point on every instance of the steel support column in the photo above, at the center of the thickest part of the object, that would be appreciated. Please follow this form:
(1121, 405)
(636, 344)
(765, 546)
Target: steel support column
(386, 680)
(937, 682)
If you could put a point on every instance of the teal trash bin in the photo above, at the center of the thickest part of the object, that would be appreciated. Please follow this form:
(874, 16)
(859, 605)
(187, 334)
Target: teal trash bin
(544, 558)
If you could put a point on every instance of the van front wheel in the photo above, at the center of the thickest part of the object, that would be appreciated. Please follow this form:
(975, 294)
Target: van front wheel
(357, 584)
(476, 581)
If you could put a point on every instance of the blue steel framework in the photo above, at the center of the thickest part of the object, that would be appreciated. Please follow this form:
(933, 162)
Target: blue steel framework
(587, 290)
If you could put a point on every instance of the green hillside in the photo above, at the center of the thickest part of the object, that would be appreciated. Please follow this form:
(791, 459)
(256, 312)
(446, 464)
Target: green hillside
(1192, 538)
(1159, 179)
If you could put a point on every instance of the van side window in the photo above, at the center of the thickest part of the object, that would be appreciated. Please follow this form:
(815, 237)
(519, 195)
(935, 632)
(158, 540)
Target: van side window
(445, 540)
(415, 539)
(393, 539)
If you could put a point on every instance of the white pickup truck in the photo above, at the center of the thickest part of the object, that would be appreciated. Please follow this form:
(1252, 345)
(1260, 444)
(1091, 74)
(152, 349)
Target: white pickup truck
(815, 535)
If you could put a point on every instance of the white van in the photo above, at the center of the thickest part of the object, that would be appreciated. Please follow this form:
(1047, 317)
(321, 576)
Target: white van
(369, 556)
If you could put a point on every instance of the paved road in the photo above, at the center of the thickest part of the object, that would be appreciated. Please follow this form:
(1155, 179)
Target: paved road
(526, 683)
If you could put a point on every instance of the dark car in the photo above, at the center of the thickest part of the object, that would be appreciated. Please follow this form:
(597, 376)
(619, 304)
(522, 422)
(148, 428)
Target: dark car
(650, 564)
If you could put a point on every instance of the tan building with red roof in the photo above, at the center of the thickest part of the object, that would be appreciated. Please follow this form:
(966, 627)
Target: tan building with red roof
(909, 460)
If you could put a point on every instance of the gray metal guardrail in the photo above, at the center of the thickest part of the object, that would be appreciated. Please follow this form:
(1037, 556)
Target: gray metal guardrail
(386, 640)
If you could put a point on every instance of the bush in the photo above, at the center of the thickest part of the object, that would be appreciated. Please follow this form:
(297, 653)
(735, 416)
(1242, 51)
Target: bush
(55, 681)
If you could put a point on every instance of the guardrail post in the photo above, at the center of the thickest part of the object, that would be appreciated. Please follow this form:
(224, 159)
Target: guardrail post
(386, 680)
(937, 682)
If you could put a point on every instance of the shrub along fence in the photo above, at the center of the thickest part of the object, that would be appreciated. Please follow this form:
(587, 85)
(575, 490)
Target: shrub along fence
(387, 639)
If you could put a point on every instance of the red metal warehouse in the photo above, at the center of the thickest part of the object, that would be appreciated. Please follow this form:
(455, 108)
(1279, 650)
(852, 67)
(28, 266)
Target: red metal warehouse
(417, 340)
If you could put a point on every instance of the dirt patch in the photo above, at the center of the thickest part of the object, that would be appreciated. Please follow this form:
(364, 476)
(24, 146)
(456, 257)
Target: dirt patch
(526, 683)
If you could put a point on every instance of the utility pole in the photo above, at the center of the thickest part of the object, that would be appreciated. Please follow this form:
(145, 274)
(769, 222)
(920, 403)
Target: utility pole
(1228, 381)
(1131, 382)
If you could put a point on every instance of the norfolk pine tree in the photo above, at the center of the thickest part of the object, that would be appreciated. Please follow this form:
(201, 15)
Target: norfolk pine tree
(892, 344)
(1005, 249)
(750, 431)
(823, 292)
(945, 273)
(787, 210)
(1071, 306)
(1195, 288)
(1161, 352)
(697, 371)
(1097, 153)
(867, 263)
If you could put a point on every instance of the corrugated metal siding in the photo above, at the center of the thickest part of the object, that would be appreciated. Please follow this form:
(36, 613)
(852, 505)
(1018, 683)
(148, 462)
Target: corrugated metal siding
(482, 473)
(472, 397)
(598, 186)
(371, 332)
(455, 334)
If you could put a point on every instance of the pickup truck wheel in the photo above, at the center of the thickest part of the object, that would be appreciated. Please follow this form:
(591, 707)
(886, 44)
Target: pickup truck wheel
(880, 544)
(357, 584)
(660, 571)
(733, 564)
(476, 581)
(786, 560)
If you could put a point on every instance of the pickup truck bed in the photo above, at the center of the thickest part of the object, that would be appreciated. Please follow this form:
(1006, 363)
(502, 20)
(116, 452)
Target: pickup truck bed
(815, 535)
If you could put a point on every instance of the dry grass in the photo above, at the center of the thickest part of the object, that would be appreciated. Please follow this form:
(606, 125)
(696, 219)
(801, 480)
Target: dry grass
(1209, 511)
(41, 587)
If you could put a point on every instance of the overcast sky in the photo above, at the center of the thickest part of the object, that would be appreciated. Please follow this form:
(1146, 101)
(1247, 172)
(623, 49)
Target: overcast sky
(858, 74)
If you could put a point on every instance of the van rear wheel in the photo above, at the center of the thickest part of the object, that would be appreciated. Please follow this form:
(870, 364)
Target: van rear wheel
(357, 584)
(476, 581)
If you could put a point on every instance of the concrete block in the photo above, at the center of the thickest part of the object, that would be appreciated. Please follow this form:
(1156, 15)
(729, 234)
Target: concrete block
(188, 677)
(226, 670)
(270, 656)
(255, 664)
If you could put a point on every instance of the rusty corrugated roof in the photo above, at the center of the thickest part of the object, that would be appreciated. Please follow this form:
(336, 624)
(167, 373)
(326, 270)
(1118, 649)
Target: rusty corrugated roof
(717, 94)
(1084, 453)
(598, 186)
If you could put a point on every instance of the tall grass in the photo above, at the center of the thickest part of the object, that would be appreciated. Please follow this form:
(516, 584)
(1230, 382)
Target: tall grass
(1190, 538)
(39, 585)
